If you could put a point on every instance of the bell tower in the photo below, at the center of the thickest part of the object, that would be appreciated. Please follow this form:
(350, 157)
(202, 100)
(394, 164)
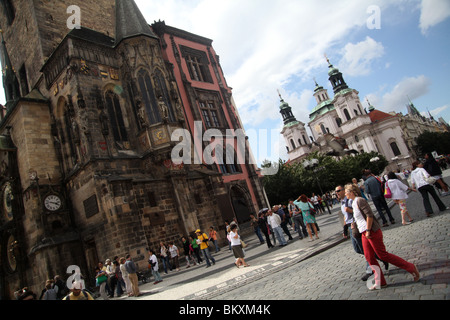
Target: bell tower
(294, 133)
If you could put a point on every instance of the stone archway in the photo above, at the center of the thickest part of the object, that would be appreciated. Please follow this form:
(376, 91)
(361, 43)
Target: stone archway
(241, 202)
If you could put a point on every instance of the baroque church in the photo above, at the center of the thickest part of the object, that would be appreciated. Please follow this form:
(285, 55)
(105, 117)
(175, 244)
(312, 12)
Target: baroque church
(341, 126)
(85, 139)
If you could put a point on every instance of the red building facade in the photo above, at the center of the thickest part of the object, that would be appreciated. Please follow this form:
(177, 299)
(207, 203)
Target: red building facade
(207, 99)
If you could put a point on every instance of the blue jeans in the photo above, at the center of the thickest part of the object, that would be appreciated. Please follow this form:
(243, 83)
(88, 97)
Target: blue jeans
(280, 236)
(258, 233)
(166, 263)
(208, 256)
(156, 275)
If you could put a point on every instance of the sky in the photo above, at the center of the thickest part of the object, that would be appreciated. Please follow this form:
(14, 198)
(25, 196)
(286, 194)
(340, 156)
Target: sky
(391, 51)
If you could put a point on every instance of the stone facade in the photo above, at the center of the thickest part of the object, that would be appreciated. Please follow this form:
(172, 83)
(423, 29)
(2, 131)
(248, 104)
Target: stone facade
(86, 148)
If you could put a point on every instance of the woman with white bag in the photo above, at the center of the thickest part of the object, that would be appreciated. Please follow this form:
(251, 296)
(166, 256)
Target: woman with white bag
(421, 181)
(399, 195)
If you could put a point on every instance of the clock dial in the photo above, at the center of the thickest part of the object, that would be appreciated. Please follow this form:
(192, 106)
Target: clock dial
(10, 254)
(7, 201)
(52, 202)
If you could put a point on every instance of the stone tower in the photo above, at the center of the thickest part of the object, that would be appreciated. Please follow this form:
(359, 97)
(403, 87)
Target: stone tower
(86, 143)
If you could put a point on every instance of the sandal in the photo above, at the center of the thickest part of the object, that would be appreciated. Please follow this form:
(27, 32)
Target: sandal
(416, 274)
(375, 287)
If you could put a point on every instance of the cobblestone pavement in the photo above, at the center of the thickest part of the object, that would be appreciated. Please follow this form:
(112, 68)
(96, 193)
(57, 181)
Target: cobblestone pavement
(323, 269)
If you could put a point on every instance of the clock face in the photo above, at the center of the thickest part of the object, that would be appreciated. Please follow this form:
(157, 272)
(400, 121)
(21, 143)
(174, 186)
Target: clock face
(7, 201)
(52, 202)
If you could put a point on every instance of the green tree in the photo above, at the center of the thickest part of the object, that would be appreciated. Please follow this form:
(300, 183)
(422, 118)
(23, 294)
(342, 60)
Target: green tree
(293, 179)
(433, 141)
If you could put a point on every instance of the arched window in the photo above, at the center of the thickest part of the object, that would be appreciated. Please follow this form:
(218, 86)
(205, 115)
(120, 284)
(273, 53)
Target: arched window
(322, 127)
(115, 116)
(395, 149)
(148, 97)
(339, 122)
(293, 144)
(347, 114)
(299, 142)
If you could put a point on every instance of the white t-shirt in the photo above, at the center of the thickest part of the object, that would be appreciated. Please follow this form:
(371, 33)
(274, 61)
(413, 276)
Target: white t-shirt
(154, 260)
(173, 251)
(234, 242)
(417, 177)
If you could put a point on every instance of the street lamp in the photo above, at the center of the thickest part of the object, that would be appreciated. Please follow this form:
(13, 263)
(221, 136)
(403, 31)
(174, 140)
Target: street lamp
(313, 165)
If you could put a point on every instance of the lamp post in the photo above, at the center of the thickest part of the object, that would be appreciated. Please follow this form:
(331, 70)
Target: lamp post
(313, 165)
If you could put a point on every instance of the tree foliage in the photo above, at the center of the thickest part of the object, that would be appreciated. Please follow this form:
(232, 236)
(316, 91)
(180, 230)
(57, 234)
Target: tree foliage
(293, 179)
(433, 141)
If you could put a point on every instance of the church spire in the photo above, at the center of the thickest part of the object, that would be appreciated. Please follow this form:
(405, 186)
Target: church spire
(10, 82)
(286, 111)
(130, 22)
(336, 78)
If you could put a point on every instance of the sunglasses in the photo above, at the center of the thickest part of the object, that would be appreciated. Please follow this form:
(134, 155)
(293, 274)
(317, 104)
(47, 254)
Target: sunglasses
(339, 190)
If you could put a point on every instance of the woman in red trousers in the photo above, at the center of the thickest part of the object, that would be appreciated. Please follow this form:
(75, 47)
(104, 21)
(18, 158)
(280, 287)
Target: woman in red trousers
(372, 238)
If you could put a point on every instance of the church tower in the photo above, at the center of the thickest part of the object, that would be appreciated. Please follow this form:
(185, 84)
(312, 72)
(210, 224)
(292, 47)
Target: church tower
(294, 133)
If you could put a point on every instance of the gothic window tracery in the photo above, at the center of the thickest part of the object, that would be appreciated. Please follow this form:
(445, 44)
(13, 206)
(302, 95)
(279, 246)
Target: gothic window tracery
(115, 116)
(149, 98)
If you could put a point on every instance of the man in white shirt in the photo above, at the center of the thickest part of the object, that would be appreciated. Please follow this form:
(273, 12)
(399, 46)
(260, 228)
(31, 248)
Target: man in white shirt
(274, 221)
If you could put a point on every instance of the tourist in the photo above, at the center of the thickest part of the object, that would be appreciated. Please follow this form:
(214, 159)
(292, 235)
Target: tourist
(433, 168)
(373, 187)
(153, 262)
(350, 225)
(262, 223)
(274, 221)
(164, 255)
(308, 217)
(372, 238)
(101, 278)
(125, 276)
(418, 181)
(196, 249)
(188, 251)
(131, 269)
(284, 220)
(174, 254)
(254, 223)
(236, 246)
(297, 217)
(78, 293)
(213, 238)
(202, 240)
(399, 195)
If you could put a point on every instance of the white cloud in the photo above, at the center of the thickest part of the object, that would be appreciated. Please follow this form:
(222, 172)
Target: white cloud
(408, 88)
(357, 58)
(435, 112)
(433, 12)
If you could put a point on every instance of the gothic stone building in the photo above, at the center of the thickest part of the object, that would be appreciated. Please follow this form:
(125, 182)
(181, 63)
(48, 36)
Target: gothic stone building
(85, 139)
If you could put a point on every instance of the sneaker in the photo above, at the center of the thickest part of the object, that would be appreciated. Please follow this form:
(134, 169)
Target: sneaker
(366, 276)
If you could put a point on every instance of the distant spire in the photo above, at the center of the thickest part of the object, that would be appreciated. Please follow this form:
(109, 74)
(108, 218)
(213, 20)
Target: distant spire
(371, 108)
(279, 94)
(10, 82)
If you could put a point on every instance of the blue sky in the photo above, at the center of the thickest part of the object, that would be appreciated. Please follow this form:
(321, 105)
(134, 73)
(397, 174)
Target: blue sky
(265, 46)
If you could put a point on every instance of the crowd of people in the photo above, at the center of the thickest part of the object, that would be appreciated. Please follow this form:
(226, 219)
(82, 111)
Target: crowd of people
(119, 276)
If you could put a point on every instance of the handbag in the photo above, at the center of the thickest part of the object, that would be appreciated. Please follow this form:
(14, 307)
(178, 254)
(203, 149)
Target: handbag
(243, 244)
(430, 180)
(387, 192)
(355, 231)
